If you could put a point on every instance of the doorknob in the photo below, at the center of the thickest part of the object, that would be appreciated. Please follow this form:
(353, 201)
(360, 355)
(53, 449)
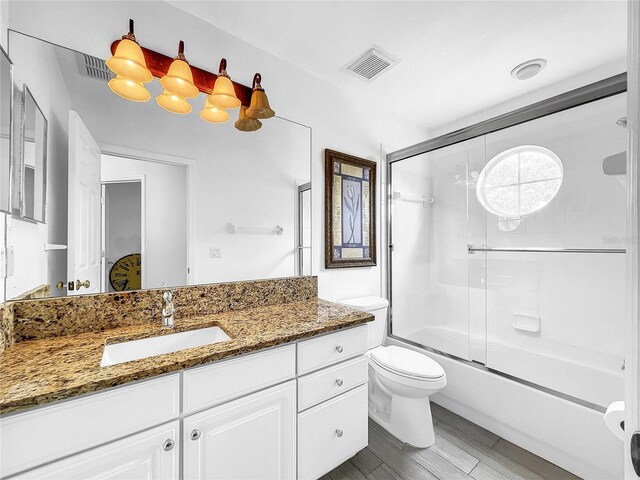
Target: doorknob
(85, 284)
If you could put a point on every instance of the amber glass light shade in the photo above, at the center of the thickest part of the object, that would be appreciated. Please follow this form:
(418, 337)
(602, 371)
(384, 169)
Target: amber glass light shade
(173, 103)
(259, 107)
(213, 114)
(179, 80)
(129, 89)
(247, 124)
(128, 62)
(224, 95)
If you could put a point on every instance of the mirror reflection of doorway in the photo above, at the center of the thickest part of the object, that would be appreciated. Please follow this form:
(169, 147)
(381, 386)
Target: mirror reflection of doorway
(122, 237)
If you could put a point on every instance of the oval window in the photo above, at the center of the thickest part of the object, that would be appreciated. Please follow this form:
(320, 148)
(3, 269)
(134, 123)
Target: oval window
(519, 181)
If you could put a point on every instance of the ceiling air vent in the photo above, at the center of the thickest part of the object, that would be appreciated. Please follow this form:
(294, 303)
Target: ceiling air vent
(95, 67)
(371, 64)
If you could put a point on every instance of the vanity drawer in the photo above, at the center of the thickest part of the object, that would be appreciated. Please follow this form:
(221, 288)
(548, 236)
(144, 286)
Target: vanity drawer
(214, 384)
(331, 433)
(48, 433)
(329, 382)
(332, 348)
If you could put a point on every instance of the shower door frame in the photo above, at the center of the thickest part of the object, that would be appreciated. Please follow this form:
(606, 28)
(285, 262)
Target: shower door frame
(592, 92)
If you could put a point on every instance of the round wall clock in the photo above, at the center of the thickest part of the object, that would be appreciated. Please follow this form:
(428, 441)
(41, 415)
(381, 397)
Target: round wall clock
(125, 273)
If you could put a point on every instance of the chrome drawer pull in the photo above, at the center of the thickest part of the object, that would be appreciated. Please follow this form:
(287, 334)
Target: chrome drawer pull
(339, 382)
(195, 434)
(339, 349)
(168, 445)
(339, 433)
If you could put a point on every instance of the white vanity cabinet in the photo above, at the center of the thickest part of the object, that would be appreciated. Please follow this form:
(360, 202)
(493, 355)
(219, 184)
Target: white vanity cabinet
(148, 455)
(253, 437)
(332, 400)
(34, 437)
(294, 411)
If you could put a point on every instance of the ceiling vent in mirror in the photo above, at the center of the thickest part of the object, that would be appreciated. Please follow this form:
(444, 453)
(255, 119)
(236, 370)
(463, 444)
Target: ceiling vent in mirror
(95, 67)
(371, 64)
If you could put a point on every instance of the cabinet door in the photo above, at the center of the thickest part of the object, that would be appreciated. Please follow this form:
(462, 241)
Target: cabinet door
(252, 437)
(151, 454)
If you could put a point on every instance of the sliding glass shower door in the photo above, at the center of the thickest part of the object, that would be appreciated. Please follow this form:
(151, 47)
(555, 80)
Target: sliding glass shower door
(436, 290)
(508, 250)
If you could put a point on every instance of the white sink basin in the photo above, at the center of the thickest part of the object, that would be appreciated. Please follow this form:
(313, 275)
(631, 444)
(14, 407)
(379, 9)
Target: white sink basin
(150, 347)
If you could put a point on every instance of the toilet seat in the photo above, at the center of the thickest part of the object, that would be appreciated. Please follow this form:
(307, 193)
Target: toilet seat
(407, 363)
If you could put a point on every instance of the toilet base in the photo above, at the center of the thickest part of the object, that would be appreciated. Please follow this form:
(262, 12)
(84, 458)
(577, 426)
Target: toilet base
(409, 421)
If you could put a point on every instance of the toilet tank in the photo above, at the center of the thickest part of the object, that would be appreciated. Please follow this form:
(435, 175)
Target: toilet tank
(376, 306)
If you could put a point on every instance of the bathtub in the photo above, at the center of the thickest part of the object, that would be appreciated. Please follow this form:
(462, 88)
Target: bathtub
(568, 432)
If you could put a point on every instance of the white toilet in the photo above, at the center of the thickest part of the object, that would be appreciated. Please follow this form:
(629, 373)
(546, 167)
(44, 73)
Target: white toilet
(400, 380)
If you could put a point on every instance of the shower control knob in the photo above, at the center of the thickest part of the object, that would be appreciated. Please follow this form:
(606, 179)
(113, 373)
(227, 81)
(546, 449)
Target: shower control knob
(339, 349)
(339, 382)
(339, 432)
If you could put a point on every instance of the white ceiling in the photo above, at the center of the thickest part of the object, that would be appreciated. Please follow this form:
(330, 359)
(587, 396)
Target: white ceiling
(455, 56)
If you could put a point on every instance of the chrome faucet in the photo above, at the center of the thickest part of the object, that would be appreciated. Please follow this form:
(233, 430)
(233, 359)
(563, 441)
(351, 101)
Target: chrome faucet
(167, 309)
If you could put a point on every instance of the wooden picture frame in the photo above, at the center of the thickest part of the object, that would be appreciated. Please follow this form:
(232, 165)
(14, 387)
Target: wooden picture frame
(350, 211)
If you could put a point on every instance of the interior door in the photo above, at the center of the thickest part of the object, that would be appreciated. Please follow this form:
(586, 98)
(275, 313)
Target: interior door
(84, 224)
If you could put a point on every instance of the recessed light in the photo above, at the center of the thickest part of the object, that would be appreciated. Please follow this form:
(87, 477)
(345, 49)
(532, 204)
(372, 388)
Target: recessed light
(528, 69)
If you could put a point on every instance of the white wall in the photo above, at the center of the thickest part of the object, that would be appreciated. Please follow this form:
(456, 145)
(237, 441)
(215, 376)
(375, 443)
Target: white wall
(165, 257)
(338, 122)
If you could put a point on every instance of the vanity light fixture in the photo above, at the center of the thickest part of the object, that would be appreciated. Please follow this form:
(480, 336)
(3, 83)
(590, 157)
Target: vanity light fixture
(131, 70)
(135, 65)
(245, 123)
(178, 85)
(213, 114)
(259, 107)
(223, 95)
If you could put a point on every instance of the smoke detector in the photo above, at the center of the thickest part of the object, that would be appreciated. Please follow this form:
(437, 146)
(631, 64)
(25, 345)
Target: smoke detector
(371, 64)
(528, 69)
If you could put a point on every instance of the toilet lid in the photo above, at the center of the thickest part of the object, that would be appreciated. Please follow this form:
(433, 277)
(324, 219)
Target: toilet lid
(407, 362)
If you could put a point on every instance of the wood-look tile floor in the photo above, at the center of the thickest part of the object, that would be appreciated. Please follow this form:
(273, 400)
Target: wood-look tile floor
(463, 450)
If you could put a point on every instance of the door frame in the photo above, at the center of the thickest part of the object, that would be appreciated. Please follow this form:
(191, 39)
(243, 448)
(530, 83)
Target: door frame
(142, 180)
(299, 222)
(632, 373)
(189, 164)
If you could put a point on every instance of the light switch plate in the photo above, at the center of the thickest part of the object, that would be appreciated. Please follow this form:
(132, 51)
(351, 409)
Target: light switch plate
(215, 252)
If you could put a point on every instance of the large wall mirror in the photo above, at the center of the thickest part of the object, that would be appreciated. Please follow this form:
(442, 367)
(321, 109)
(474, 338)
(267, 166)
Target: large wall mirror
(6, 92)
(137, 197)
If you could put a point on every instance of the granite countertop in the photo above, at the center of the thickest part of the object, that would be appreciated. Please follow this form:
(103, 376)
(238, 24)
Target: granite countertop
(38, 372)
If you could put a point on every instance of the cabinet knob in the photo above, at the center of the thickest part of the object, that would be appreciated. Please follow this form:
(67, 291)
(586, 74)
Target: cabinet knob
(339, 432)
(195, 434)
(339, 382)
(168, 445)
(339, 349)
(85, 284)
